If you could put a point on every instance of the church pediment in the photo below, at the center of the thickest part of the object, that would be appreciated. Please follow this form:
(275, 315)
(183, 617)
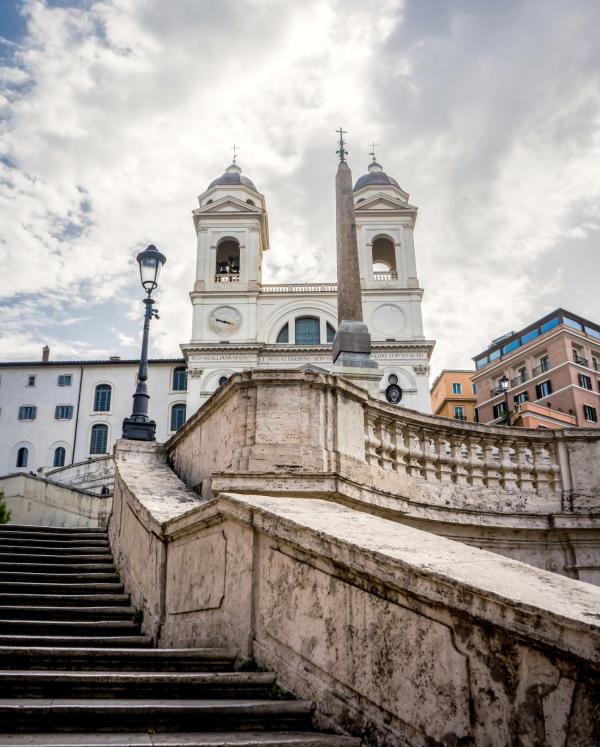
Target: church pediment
(383, 202)
(228, 205)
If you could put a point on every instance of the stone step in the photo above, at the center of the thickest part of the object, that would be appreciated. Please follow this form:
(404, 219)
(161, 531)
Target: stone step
(52, 570)
(70, 641)
(67, 531)
(44, 558)
(63, 714)
(185, 739)
(63, 600)
(19, 539)
(34, 550)
(67, 575)
(46, 612)
(69, 627)
(116, 659)
(75, 584)
(134, 685)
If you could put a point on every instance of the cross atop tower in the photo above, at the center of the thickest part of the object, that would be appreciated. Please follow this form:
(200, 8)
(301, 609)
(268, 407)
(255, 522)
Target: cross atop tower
(235, 152)
(342, 152)
(372, 151)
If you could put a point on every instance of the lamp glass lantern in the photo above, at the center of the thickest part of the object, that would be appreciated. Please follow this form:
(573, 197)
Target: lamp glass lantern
(504, 383)
(150, 262)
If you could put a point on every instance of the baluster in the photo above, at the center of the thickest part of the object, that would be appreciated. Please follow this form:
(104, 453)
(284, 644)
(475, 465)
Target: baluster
(507, 467)
(372, 443)
(429, 462)
(475, 462)
(444, 470)
(459, 471)
(401, 451)
(541, 469)
(492, 464)
(387, 446)
(524, 468)
(557, 483)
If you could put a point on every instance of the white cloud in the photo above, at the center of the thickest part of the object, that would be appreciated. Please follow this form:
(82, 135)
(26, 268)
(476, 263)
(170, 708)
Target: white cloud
(119, 114)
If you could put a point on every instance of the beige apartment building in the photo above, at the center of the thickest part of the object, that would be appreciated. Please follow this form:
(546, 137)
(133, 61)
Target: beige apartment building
(453, 395)
(547, 375)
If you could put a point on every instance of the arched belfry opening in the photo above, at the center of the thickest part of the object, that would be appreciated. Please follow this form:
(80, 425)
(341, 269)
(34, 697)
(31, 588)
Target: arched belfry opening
(228, 261)
(384, 258)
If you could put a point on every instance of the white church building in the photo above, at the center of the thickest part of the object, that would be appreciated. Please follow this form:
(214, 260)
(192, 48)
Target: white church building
(54, 413)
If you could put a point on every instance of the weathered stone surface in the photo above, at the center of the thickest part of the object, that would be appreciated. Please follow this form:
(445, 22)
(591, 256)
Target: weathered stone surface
(34, 500)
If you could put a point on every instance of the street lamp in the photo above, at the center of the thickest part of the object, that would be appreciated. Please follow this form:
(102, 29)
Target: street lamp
(138, 425)
(504, 386)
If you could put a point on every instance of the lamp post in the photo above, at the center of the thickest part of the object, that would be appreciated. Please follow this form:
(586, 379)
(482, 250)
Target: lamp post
(138, 425)
(504, 386)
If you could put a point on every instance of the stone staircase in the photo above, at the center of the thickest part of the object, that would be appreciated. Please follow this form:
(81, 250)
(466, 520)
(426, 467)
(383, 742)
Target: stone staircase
(76, 668)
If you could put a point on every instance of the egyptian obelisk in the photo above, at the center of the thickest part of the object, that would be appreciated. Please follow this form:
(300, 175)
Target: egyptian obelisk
(352, 342)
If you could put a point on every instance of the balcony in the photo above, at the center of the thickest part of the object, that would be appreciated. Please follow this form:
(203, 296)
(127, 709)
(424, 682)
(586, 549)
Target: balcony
(385, 275)
(596, 365)
(544, 366)
(462, 418)
(579, 360)
(227, 277)
(521, 379)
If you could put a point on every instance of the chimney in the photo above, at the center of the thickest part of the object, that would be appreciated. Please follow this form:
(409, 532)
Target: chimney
(45, 354)
(114, 358)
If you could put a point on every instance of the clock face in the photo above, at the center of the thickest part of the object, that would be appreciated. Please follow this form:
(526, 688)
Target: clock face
(389, 319)
(225, 321)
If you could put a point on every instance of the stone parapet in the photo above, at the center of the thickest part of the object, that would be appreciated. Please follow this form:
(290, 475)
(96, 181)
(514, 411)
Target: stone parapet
(399, 636)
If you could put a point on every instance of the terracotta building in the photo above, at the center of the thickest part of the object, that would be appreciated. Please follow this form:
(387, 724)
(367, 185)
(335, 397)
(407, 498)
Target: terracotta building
(453, 395)
(547, 375)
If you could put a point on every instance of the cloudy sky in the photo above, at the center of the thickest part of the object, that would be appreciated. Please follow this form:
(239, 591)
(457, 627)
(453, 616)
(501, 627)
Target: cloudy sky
(115, 115)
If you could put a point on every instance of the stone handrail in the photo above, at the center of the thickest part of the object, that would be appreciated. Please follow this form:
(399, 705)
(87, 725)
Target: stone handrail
(314, 432)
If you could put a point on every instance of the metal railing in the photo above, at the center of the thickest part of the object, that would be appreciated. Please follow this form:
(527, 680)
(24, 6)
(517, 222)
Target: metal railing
(521, 379)
(460, 417)
(581, 361)
(544, 366)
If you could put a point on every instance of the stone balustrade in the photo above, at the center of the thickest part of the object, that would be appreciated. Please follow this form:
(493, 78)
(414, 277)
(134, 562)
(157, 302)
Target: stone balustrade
(299, 288)
(308, 427)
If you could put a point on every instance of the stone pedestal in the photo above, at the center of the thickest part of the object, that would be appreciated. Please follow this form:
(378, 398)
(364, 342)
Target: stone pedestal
(352, 346)
(366, 378)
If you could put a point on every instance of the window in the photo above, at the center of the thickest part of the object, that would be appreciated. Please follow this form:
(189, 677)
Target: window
(27, 412)
(521, 397)
(284, 334)
(384, 257)
(495, 355)
(59, 456)
(228, 261)
(65, 379)
(481, 362)
(177, 417)
(528, 336)
(99, 439)
(456, 388)
(571, 323)
(459, 413)
(31, 380)
(392, 379)
(550, 324)
(63, 412)
(474, 388)
(592, 332)
(180, 379)
(543, 389)
(223, 380)
(330, 332)
(585, 381)
(512, 345)
(589, 413)
(22, 457)
(499, 410)
(307, 331)
(102, 396)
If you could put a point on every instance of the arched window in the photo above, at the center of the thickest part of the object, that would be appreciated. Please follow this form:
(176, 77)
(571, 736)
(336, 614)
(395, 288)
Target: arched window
(59, 456)
(177, 416)
(22, 457)
(330, 332)
(180, 379)
(384, 258)
(307, 330)
(284, 334)
(223, 380)
(102, 396)
(228, 261)
(99, 439)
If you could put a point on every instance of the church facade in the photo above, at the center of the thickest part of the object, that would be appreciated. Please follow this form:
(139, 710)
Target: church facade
(55, 413)
(240, 322)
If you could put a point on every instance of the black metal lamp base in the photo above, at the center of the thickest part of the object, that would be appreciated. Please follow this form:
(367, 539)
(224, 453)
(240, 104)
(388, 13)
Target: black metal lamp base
(139, 430)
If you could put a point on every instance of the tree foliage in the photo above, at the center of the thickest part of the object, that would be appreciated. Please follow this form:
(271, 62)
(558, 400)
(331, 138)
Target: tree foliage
(4, 512)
